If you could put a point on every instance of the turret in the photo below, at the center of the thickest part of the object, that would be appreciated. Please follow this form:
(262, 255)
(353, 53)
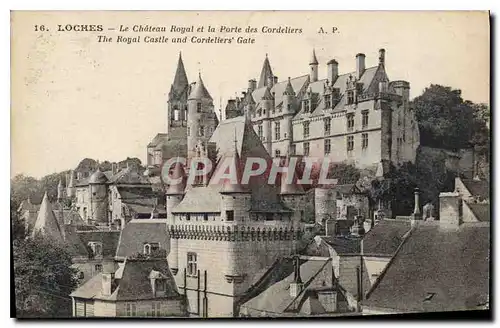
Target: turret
(200, 116)
(360, 65)
(291, 192)
(98, 197)
(267, 105)
(70, 188)
(175, 191)
(60, 191)
(313, 71)
(289, 111)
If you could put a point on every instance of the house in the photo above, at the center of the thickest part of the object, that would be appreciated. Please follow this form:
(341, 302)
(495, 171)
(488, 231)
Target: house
(440, 266)
(143, 237)
(138, 288)
(297, 286)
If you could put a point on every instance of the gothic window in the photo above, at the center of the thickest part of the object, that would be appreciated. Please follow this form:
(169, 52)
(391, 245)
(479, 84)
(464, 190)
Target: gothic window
(364, 140)
(230, 215)
(98, 268)
(350, 97)
(364, 119)
(198, 107)
(150, 248)
(328, 124)
(192, 264)
(277, 131)
(306, 148)
(306, 129)
(259, 132)
(350, 143)
(350, 122)
(176, 113)
(328, 146)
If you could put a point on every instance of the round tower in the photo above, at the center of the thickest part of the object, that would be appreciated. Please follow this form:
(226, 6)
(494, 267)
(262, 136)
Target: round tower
(175, 192)
(98, 197)
(292, 193)
(199, 102)
(313, 64)
(267, 106)
(288, 109)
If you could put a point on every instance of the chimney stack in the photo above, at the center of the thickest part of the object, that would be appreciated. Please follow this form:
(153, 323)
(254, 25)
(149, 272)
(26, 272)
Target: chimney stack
(252, 85)
(417, 213)
(108, 276)
(360, 65)
(296, 286)
(333, 71)
(330, 227)
(381, 57)
(449, 210)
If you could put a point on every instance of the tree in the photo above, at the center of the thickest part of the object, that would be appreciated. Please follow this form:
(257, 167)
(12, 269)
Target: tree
(446, 120)
(43, 278)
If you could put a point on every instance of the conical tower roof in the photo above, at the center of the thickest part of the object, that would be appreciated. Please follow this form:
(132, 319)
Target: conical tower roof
(180, 79)
(292, 188)
(314, 60)
(289, 89)
(236, 164)
(98, 177)
(267, 95)
(46, 222)
(179, 188)
(199, 91)
(265, 74)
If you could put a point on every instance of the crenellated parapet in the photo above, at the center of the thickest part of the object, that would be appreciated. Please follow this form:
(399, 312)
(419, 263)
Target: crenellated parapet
(234, 233)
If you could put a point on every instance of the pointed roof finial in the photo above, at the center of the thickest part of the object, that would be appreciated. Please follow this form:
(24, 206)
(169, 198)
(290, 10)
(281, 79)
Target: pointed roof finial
(266, 74)
(314, 60)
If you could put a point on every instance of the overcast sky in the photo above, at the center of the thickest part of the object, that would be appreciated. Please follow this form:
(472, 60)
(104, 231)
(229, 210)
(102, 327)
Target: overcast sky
(73, 97)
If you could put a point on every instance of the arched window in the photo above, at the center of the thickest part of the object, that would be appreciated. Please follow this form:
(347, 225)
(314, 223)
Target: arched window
(147, 249)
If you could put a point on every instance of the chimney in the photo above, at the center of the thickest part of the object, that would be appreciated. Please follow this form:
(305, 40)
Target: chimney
(333, 71)
(108, 277)
(360, 65)
(417, 213)
(358, 227)
(114, 169)
(296, 286)
(449, 210)
(381, 57)
(330, 227)
(252, 85)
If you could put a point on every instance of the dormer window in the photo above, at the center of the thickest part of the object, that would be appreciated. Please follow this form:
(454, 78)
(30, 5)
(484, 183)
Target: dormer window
(350, 97)
(150, 248)
(306, 106)
(96, 248)
(161, 285)
(328, 102)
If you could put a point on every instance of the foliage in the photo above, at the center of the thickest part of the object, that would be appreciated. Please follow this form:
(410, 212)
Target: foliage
(18, 226)
(43, 278)
(448, 121)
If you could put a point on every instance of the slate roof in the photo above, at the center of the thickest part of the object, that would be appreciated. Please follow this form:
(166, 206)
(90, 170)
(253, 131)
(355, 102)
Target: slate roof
(481, 211)
(129, 176)
(298, 84)
(134, 283)
(436, 270)
(385, 237)
(344, 245)
(479, 188)
(271, 293)
(138, 232)
(180, 80)
(46, 223)
(265, 197)
(109, 240)
(265, 74)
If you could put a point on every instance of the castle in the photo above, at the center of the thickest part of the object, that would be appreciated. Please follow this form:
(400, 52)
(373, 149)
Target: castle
(359, 117)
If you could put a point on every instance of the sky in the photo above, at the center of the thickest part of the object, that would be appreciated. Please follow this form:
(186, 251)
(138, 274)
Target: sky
(73, 97)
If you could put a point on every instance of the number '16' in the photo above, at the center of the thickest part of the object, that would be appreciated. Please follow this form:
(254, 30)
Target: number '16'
(39, 28)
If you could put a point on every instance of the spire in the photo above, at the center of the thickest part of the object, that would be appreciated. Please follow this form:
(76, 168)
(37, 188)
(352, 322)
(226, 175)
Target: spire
(180, 79)
(71, 182)
(314, 60)
(46, 222)
(289, 89)
(178, 172)
(199, 91)
(60, 190)
(266, 74)
(237, 165)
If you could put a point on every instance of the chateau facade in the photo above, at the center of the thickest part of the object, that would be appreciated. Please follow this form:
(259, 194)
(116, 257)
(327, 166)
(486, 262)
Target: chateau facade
(361, 117)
